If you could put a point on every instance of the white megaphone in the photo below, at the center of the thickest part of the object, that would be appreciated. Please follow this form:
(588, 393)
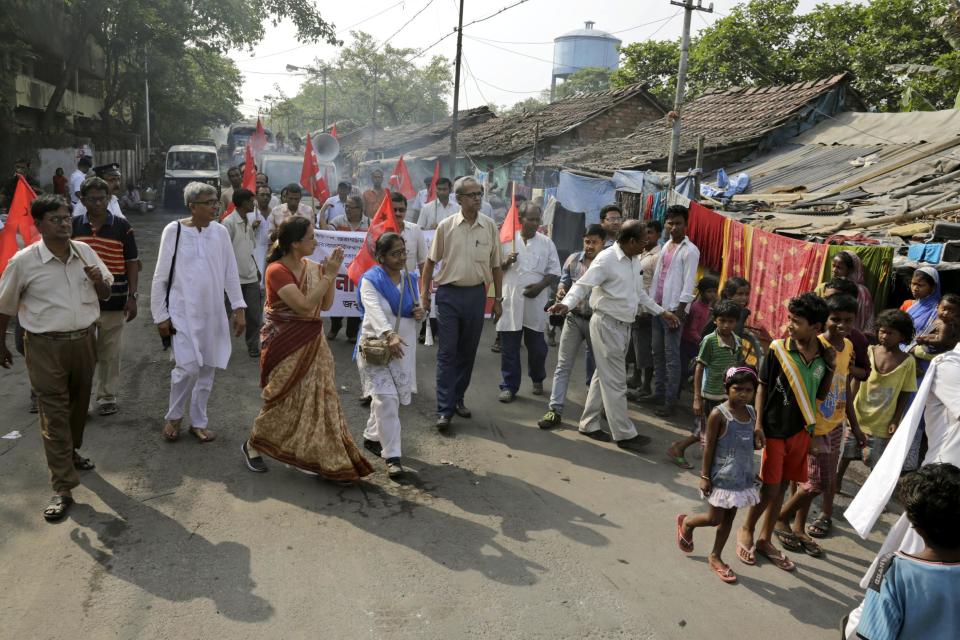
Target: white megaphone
(325, 146)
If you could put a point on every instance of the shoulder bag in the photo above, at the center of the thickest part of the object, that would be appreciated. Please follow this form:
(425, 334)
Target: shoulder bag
(166, 340)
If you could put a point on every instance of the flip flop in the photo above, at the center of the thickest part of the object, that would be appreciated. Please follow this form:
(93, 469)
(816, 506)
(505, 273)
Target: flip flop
(685, 545)
(171, 430)
(811, 548)
(747, 556)
(725, 573)
(680, 461)
(203, 435)
(779, 560)
(788, 539)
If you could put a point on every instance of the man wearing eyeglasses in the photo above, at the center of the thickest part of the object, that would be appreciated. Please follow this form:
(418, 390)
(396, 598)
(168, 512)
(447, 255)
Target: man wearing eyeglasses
(54, 287)
(112, 239)
(195, 267)
(467, 248)
(111, 174)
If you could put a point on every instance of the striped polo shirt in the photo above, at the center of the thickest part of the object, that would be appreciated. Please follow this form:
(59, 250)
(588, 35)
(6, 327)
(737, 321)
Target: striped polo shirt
(116, 246)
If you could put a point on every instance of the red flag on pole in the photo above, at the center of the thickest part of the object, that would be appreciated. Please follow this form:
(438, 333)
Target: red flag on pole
(383, 221)
(249, 180)
(310, 177)
(19, 220)
(400, 180)
(432, 191)
(259, 138)
(333, 130)
(511, 224)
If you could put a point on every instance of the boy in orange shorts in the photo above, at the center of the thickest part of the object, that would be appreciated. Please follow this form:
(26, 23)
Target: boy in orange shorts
(796, 373)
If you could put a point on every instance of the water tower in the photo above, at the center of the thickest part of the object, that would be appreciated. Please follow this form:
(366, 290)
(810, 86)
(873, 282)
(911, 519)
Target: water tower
(582, 48)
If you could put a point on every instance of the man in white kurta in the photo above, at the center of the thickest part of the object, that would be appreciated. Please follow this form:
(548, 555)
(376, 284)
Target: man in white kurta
(205, 268)
(412, 234)
(531, 267)
(938, 403)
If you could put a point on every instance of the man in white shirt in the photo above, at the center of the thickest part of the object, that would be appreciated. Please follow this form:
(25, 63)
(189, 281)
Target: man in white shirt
(111, 174)
(615, 286)
(235, 177)
(77, 178)
(263, 209)
(674, 280)
(412, 234)
(334, 207)
(530, 268)
(262, 180)
(291, 196)
(611, 217)
(421, 199)
(243, 225)
(441, 207)
(643, 327)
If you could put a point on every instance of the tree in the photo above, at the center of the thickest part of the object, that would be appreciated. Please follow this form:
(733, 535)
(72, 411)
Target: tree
(765, 42)
(366, 73)
(529, 105)
(127, 28)
(584, 80)
(653, 62)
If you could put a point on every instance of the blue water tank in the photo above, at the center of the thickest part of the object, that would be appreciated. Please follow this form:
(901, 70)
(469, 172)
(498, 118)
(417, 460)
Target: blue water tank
(581, 48)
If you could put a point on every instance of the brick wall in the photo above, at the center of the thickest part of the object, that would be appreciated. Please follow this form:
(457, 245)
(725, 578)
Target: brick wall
(618, 121)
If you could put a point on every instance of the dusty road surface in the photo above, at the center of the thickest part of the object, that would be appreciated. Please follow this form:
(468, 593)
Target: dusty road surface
(500, 531)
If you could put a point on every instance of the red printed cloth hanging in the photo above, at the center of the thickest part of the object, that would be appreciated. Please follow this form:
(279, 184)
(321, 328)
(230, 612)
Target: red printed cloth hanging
(780, 268)
(706, 230)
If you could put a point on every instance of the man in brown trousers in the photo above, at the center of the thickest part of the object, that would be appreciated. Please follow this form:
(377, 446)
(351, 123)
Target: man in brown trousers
(54, 286)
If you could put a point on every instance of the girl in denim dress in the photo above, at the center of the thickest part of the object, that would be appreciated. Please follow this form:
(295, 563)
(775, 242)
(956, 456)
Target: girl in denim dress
(728, 473)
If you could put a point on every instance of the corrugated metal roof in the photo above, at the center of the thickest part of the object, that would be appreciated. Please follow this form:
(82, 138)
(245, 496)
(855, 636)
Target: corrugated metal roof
(803, 167)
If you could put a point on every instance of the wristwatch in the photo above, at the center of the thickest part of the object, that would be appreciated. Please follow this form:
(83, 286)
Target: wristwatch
(134, 295)
(500, 299)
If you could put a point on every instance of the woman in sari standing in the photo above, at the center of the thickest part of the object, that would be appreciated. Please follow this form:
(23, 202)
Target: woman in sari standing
(301, 422)
(386, 292)
(847, 264)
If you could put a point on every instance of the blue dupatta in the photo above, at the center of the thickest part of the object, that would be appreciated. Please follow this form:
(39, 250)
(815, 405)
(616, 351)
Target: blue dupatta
(387, 288)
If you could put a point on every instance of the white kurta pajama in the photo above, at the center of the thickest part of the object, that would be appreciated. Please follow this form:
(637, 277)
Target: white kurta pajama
(205, 268)
(937, 402)
(536, 259)
(392, 385)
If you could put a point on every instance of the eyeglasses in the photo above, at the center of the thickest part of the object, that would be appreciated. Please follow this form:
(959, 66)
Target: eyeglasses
(399, 253)
(473, 194)
(207, 203)
(56, 220)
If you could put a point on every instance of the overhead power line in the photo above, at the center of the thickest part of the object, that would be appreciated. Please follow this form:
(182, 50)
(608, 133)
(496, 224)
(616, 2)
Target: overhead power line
(454, 31)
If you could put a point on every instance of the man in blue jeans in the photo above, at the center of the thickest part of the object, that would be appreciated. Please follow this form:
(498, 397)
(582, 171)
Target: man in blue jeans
(467, 248)
(531, 266)
(674, 279)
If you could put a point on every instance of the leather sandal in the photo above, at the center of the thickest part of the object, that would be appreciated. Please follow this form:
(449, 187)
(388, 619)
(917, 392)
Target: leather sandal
(171, 429)
(203, 435)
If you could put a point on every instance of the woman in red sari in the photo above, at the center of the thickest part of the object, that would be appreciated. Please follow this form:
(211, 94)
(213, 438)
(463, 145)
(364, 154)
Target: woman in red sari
(301, 422)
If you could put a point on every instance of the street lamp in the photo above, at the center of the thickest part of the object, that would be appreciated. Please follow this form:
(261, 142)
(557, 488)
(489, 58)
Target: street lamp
(314, 71)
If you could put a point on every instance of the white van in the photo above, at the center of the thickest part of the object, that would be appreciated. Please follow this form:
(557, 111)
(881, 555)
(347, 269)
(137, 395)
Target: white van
(189, 163)
(282, 169)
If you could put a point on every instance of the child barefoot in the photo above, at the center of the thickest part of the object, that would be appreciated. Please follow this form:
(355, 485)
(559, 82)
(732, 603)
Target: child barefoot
(727, 472)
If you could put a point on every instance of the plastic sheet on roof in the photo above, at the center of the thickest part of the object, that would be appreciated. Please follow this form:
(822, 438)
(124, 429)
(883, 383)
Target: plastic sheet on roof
(579, 193)
(913, 127)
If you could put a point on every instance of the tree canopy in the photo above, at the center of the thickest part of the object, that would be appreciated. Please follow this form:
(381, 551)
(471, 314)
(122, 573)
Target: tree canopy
(764, 42)
(584, 81)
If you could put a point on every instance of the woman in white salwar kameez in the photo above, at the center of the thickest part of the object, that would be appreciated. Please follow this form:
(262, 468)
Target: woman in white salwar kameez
(387, 290)
(936, 401)
(186, 301)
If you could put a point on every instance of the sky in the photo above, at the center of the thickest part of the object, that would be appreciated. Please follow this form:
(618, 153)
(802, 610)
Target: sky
(507, 58)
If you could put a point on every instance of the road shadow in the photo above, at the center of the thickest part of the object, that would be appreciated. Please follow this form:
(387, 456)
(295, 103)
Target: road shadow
(157, 554)
(811, 603)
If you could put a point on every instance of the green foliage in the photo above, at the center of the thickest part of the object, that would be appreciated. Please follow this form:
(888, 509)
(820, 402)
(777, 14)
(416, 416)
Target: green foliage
(653, 62)
(366, 72)
(584, 81)
(530, 105)
(764, 42)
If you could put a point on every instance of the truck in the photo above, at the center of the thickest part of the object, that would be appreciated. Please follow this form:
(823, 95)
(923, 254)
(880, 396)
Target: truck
(187, 163)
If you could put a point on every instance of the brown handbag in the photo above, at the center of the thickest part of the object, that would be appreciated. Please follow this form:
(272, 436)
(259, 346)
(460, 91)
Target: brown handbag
(376, 351)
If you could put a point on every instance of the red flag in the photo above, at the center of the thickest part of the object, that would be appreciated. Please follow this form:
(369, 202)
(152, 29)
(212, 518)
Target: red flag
(308, 174)
(333, 130)
(383, 221)
(400, 180)
(432, 190)
(511, 224)
(19, 221)
(259, 138)
(249, 180)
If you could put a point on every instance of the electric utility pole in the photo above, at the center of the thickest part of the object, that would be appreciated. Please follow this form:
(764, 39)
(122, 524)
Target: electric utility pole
(688, 9)
(456, 95)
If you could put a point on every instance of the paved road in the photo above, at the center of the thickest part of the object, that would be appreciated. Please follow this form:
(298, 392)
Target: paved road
(502, 531)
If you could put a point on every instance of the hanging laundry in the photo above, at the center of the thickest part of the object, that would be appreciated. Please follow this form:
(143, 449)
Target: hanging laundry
(877, 270)
(932, 252)
(706, 230)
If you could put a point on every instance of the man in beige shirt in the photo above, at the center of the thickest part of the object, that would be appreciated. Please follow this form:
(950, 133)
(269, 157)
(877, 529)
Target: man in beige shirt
(55, 286)
(467, 248)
